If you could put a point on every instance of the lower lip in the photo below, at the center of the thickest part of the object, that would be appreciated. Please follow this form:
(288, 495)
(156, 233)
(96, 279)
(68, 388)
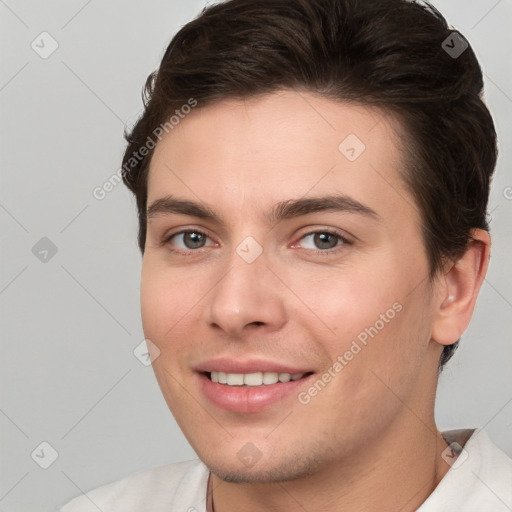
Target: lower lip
(248, 399)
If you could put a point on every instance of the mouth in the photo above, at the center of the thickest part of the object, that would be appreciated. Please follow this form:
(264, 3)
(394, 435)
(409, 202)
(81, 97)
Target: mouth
(251, 392)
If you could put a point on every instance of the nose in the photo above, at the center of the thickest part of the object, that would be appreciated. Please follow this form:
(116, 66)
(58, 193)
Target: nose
(248, 296)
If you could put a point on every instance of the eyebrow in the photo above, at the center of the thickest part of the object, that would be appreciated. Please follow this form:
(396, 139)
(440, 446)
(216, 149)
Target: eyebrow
(284, 210)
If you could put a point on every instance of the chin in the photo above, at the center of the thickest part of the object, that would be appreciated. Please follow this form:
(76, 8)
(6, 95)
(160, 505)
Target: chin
(263, 472)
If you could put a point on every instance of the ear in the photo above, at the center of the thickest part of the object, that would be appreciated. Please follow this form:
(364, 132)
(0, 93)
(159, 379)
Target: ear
(458, 289)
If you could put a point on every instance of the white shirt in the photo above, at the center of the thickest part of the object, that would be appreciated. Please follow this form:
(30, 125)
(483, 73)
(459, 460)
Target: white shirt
(480, 480)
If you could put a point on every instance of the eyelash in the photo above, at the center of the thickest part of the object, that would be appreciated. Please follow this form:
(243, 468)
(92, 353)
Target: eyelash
(321, 252)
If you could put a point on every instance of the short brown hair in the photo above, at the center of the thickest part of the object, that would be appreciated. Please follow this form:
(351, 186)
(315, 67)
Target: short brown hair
(391, 54)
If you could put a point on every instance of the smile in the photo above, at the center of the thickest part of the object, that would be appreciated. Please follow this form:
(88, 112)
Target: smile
(251, 392)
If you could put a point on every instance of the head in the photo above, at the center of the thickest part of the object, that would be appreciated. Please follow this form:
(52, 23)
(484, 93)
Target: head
(331, 163)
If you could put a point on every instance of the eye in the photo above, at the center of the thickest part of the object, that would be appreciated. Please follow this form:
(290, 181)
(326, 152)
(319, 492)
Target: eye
(322, 240)
(188, 240)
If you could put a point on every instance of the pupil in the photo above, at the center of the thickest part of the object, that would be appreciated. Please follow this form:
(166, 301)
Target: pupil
(325, 240)
(193, 240)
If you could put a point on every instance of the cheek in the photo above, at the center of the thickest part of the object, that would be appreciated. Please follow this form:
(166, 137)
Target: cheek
(167, 311)
(167, 299)
(350, 301)
(369, 319)
(378, 360)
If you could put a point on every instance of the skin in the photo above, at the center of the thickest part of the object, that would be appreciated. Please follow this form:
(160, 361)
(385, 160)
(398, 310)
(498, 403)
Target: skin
(368, 440)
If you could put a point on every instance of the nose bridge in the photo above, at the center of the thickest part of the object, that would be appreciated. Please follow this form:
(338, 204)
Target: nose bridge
(247, 293)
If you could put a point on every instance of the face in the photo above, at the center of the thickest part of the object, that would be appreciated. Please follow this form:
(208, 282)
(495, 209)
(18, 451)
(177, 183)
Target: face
(284, 284)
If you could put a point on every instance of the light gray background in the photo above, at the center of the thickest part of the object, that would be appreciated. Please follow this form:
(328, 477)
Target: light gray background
(70, 325)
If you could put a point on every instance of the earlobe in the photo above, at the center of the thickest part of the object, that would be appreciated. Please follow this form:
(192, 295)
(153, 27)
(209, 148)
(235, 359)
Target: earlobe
(458, 290)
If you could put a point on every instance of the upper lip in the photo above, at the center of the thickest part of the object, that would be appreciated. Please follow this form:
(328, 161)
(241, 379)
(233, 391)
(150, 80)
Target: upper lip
(229, 365)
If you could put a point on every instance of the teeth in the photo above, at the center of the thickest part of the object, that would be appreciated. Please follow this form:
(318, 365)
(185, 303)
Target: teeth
(270, 378)
(253, 379)
(235, 379)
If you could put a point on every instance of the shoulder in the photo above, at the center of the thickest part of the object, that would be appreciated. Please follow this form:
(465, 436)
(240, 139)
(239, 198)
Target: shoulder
(480, 479)
(493, 469)
(179, 486)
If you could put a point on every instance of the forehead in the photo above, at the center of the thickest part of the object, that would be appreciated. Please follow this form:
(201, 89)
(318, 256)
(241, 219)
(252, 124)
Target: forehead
(248, 154)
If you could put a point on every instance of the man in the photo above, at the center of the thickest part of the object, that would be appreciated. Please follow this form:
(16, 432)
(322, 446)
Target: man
(312, 179)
